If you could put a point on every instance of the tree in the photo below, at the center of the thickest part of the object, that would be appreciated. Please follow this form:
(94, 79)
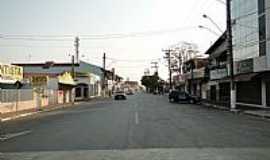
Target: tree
(182, 52)
(150, 82)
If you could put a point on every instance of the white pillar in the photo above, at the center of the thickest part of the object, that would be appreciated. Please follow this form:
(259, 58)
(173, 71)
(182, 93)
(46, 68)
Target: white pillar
(263, 98)
(233, 99)
(82, 92)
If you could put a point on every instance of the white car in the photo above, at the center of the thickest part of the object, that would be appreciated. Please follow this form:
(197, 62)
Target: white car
(120, 95)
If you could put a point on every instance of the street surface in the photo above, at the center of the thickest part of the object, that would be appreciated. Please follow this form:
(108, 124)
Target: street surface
(142, 127)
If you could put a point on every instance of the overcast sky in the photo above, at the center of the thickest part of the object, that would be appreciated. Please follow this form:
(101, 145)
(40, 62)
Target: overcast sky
(90, 17)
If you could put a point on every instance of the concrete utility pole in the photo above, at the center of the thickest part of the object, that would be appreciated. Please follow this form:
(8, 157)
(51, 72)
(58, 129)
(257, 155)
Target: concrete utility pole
(72, 67)
(104, 71)
(155, 66)
(76, 45)
(230, 50)
(168, 57)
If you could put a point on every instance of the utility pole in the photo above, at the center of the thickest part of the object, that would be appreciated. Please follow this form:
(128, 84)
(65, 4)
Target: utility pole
(104, 71)
(168, 57)
(72, 67)
(230, 50)
(76, 45)
(155, 66)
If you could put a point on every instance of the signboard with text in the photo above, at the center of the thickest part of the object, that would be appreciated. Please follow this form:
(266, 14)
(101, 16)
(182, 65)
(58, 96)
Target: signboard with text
(39, 80)
(218, 73)
(244, 66)
(11, 72)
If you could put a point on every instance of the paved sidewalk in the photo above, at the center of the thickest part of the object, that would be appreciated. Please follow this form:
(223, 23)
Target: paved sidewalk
(16, 115)
(258, 113)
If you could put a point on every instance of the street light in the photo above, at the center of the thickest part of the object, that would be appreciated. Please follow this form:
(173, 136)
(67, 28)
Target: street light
(208, 29)
(222, 2)
(213, 22)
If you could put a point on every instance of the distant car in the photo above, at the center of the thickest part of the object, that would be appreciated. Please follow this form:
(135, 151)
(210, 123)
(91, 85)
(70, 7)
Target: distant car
(155, 92)
(130, 92)
(178, 96)
(118, 95)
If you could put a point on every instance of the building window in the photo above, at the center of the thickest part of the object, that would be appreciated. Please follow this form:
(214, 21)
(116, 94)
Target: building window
(262, 28)
(245, 29)
(261, 6)
(262, 48)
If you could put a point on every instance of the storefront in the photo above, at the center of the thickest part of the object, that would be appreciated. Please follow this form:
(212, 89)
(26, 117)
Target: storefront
(244, 94)
(66, 84)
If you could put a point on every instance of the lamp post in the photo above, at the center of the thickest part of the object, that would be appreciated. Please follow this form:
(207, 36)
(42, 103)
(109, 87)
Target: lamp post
(209, 30)
(213, 22)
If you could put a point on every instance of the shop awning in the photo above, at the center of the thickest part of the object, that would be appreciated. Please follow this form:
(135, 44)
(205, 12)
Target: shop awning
(245, 77)
(67, 83)
(263, 75)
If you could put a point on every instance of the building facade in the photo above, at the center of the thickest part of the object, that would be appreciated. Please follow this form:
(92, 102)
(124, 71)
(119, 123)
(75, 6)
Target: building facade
(251, 51)
(218, 91)
(195, 76)
(87, 76)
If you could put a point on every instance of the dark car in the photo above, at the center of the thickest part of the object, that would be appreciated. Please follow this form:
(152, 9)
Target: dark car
(130, 92)
(120, 95)
(178, 96)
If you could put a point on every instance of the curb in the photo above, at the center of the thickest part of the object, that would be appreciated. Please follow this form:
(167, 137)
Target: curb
(257, 115)
(56, 107)
(215, 106)
(236, 111)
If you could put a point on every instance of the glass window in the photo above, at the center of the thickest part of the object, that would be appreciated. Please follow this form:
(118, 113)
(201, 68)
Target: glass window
(245, 30)
(262, 28)
(261, 6)
(262, 47)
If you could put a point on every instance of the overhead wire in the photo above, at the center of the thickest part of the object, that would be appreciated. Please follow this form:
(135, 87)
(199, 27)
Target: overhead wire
(90, 37)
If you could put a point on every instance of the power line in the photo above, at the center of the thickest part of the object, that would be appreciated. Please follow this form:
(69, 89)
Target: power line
(90, 37)
(132, 60)
(32, 39)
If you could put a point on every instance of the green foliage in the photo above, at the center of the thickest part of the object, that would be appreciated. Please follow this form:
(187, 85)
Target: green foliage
(150, 82)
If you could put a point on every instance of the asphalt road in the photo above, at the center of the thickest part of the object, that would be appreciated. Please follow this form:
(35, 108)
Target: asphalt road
(144, 126)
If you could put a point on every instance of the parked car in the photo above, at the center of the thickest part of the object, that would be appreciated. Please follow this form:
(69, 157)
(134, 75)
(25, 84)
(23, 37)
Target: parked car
(130, 92)
(179, 96)
(118, 95)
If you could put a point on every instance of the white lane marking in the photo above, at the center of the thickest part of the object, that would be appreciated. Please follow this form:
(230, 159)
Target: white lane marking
(136, 118)
(13, 135)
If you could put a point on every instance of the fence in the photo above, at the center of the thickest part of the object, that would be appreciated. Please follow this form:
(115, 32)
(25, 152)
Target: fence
(12, 100)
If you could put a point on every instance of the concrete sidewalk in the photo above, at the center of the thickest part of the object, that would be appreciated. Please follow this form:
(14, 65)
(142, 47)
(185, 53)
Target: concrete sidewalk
(258, 113)
(25, 113)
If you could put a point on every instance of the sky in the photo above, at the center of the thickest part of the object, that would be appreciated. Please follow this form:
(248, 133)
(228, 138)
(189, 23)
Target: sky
(130, 56)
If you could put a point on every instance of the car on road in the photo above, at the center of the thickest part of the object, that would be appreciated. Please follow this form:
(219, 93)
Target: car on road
(130, 92)
(120, 95)
(180, 96)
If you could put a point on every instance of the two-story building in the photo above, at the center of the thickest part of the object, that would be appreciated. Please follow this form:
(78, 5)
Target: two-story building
(195, 75)
(218, 67)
